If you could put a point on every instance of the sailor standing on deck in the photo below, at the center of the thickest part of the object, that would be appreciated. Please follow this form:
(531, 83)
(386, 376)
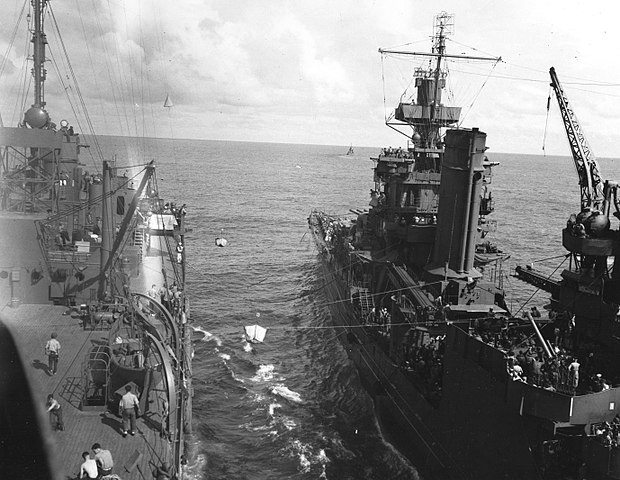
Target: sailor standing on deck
(52, 349)
(55, 411)
(128, 407)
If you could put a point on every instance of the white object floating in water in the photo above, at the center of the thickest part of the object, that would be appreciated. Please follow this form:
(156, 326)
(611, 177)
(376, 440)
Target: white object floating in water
(221, 241)
(255, 333)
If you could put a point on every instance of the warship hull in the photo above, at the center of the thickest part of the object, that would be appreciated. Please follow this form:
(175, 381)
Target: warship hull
(463, 387)
(477, 429)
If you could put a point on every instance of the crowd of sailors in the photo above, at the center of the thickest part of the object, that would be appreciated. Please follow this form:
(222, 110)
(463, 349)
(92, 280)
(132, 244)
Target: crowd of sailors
(168, 296)
(379, 318)
(396, 152)
(558, 367)
(426, 361)
(608, 433)
(170, 208)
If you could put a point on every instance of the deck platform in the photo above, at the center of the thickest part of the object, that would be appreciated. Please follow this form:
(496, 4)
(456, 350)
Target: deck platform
(135, 457)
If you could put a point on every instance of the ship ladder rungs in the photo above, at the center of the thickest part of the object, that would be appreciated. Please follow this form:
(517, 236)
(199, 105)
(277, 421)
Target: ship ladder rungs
(366, 302)
(138, 237)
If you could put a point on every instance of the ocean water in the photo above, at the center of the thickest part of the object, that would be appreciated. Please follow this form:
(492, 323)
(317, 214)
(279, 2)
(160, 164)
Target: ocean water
(293, 407)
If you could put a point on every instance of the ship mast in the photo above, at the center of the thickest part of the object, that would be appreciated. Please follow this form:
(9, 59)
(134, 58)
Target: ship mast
(424, 114)
(442, 21)
(39, 40)
(36, 116)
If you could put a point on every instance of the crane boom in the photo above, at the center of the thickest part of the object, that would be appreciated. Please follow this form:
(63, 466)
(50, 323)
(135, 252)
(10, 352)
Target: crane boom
(587, 167)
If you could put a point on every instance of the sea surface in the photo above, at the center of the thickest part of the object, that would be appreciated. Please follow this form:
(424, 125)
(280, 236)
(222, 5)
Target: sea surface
(293, 407)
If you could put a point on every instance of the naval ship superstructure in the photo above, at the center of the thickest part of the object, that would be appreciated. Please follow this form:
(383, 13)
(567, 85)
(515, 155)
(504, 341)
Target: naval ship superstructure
(461, 386)
(94, 256)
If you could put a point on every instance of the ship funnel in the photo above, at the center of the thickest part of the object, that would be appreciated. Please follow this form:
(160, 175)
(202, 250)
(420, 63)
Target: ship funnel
(459, 204)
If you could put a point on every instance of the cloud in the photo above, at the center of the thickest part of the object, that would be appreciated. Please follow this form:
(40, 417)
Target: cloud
(309, 72)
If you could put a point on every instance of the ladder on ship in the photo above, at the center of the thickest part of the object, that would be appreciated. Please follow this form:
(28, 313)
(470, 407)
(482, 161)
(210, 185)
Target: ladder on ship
(138, 241)
(366, 302)
(96, 379)
(138, 237)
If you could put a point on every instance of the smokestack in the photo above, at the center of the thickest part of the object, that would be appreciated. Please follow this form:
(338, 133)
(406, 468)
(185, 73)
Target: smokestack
(459, 202)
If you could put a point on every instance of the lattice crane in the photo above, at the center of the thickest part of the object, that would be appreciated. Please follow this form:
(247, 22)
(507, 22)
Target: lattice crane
(590, 183)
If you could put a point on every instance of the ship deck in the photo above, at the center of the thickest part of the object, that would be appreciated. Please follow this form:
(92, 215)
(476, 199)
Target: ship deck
(135, 457)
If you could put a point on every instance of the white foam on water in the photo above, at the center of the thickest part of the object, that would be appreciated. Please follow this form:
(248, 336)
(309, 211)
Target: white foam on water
(414, 473)
(285, 392)
(224, 356)
(323, 460)
(247, 347)
(302, 451)
(195, 469)
(288, 423)
(255, 428)
(264, 373)
(208, 336)
(258, 398)
(272, 408)
(233, 375)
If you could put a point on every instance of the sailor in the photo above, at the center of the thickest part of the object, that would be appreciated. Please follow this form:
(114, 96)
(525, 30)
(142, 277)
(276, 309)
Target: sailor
(573, 373)
(103, 459)
(88, 469)
(129, 407)
(180, 252)
(55, 411)
(374, 199)
(164, 472)
(52, 350)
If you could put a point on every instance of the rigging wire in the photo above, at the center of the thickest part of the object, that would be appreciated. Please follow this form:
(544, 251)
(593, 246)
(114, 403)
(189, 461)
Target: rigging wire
(478, 92)
(25, 81)
(538, 289)
(115, 69)
(5, 58)
(385, 110)
(77, 88)
(451, 40)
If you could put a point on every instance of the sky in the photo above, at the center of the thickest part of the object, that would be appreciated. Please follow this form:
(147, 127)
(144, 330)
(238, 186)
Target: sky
(310, 72)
